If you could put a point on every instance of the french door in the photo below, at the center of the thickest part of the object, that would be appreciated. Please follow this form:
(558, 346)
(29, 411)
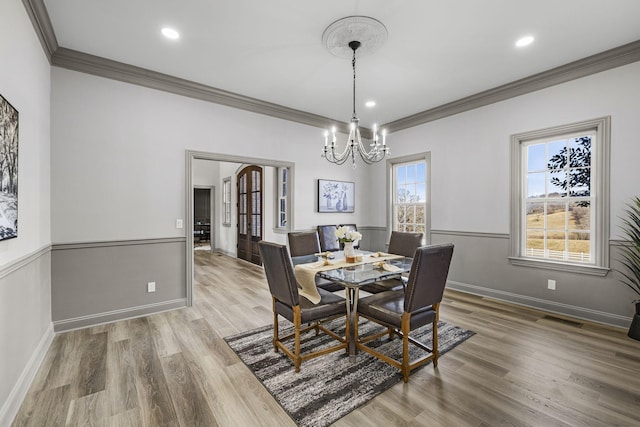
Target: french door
(249, 186)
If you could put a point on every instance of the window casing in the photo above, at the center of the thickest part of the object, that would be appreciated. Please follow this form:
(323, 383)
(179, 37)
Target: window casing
(281, 198)
(226, 202)
(409, 208)
(560, 197)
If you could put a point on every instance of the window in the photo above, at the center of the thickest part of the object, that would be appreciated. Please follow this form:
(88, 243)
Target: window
(226, 201)
(560, 197)
(410, 194)
(281, 201)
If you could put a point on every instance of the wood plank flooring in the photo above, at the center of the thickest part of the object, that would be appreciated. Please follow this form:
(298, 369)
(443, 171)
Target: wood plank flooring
(523, 367)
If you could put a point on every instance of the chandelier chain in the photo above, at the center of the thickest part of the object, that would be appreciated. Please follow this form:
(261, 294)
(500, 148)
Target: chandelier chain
(353, 64)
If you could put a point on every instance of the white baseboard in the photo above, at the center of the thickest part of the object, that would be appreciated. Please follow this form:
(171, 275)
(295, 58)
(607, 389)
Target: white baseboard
(20, 389)
(545, 305)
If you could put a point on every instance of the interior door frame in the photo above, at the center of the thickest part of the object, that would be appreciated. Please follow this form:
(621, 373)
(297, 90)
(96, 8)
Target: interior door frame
(190, 156)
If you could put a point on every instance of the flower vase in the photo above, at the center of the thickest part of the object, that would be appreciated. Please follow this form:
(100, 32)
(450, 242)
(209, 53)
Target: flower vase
(349, 252)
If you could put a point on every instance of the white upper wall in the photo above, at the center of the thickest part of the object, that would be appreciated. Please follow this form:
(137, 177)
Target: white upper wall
(206, 173)
(118, 154)
(25, 82)
(25, 294)
(470, 151)
(118, 158)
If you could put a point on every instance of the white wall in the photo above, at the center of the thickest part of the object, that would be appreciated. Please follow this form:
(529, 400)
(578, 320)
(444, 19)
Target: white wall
(25, 299)
(470, 151)
(205, 173)
(470, 189)
(118, 157)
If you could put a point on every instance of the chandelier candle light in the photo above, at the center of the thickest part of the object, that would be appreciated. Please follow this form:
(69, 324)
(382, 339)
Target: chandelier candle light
(371, 33)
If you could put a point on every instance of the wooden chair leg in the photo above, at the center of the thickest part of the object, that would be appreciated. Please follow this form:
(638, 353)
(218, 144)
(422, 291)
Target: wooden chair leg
(434, 349)
(405, 346)
(391, 333)
(296, 324)
(275, 327)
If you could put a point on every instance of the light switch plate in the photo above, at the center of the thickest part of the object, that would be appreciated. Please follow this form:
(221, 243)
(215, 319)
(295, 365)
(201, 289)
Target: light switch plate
(151, 287)
(179, 223)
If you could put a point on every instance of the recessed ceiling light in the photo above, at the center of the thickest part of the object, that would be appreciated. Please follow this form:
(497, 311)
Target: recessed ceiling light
(170, 33)
(525, 41)
(370, 104)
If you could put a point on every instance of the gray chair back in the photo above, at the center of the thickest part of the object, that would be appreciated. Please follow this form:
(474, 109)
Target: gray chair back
(404, 243)
(428, 276)
(306, 243)
(279, 271)
(328, 239)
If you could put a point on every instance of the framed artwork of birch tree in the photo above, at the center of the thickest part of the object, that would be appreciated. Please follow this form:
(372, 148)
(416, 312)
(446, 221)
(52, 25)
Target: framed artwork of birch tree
(8, 170)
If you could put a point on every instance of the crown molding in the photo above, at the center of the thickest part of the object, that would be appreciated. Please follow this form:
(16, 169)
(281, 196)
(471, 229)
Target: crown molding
(86, 63)
(42, 24)
(90, 64)
(616, 57)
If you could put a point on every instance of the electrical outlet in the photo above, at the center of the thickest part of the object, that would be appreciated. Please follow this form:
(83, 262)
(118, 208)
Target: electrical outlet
(179, 223)
(551, 284)
(151, 287)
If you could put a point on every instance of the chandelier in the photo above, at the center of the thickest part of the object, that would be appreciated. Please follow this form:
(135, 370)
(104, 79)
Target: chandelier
(372, 33)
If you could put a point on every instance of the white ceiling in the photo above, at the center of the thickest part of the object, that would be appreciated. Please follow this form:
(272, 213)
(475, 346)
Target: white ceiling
(437, 51)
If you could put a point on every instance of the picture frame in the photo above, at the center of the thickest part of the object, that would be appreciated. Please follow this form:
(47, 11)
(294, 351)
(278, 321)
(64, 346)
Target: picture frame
(336, 196)
(8, 170)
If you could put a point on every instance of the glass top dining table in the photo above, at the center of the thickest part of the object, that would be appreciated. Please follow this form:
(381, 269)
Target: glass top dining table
(360, 273)
(354, 276)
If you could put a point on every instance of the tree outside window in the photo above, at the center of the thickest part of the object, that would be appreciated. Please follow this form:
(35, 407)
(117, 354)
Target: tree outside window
(558, 205)
(410, 188)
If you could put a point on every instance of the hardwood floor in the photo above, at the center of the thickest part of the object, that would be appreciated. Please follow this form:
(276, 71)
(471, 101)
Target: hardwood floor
(523, 367)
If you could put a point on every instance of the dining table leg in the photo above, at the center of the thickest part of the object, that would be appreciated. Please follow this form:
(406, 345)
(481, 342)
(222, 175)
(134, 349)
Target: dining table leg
(352, 308)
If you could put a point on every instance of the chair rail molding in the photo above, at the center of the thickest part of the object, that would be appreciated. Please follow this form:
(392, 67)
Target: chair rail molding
(17, 264)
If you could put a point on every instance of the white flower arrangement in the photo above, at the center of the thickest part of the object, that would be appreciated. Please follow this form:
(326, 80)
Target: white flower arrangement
(344, 234)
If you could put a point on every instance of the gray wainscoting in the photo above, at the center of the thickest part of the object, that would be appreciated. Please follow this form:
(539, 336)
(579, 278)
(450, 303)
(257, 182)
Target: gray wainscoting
(373, 238)
(480, 266)
(93, 283)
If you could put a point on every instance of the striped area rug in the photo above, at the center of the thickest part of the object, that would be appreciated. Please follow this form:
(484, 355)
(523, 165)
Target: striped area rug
(329, 387)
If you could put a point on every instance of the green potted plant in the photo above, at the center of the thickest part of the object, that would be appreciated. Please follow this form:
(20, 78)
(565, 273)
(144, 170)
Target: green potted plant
(631, 259)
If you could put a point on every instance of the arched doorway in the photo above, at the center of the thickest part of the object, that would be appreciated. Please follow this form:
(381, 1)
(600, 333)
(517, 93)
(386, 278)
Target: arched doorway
(249, 191)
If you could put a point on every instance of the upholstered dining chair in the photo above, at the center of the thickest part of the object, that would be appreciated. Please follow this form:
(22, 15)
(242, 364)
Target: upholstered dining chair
(328, 239)
(401, 243)
(297, 309)
(403, 311)
(303, 243)
(307, 243)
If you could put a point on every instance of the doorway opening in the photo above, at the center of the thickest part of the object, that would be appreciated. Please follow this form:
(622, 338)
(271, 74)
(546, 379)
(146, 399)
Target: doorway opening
(203, 217)
(226, 233)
